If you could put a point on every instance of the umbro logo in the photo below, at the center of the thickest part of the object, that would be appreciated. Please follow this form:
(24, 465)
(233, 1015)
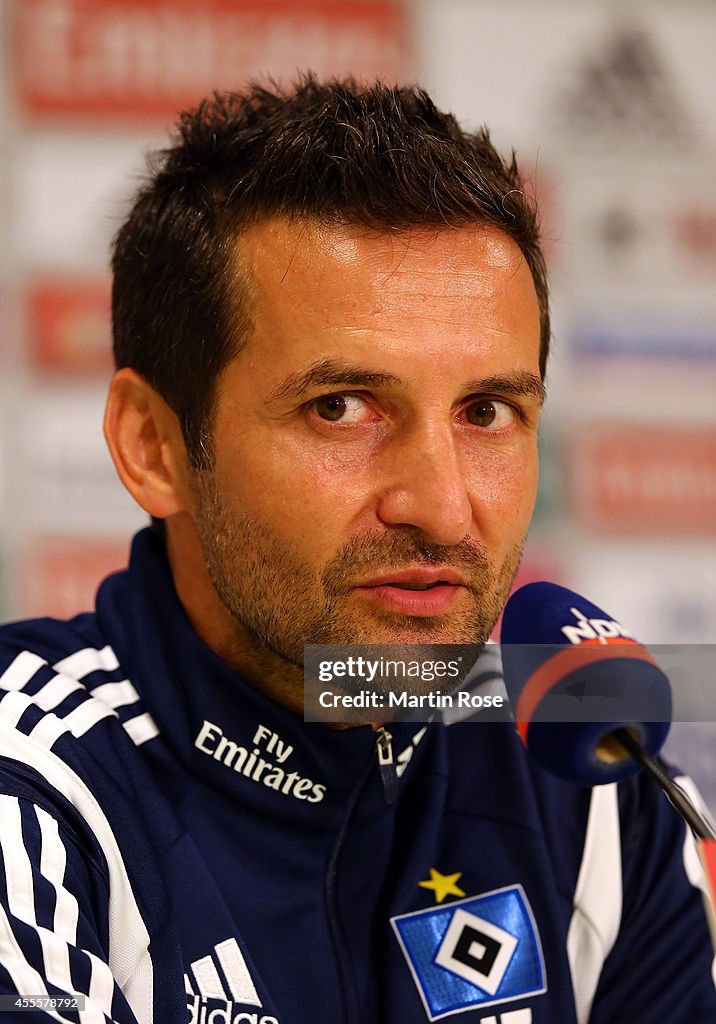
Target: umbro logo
(215, 984)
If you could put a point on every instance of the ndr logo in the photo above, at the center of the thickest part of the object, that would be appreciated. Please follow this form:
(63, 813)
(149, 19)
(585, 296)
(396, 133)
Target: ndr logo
(600, 630)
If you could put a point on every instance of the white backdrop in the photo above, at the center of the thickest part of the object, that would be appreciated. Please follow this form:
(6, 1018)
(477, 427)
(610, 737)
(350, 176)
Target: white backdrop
(611, 109)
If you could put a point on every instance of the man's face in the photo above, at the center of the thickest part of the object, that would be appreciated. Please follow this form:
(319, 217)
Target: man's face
(377, 436)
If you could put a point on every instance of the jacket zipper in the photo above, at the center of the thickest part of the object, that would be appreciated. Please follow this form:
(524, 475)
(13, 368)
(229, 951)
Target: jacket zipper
(388, 774)
(389, 778)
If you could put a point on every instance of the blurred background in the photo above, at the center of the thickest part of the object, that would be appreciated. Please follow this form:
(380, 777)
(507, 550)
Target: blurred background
(611, 108)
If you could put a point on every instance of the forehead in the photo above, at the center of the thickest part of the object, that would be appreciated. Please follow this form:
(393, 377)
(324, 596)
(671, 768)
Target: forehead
(282, 256)
(321, 285)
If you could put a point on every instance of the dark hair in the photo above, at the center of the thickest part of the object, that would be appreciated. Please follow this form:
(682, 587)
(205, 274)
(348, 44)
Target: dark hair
(340, 152)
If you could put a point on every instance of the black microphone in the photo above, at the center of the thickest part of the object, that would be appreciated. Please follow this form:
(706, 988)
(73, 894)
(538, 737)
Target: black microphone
(590, 703)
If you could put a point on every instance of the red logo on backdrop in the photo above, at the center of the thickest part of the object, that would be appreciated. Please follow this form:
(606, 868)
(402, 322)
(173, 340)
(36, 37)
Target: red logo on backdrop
(60, 575)
(695, 232)
(69, 326)
(151, 58)
(645, 480)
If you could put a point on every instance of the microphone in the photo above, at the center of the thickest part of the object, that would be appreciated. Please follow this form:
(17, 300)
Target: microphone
(591, 705)
(575, 676)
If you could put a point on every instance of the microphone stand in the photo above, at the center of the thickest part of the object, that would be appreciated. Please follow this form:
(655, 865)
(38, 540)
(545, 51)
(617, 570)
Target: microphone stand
(704, 833)
(675, 795)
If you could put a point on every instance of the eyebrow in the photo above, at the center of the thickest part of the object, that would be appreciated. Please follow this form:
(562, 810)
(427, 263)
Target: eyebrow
(336, 372)
(521, 384)
(330, 371)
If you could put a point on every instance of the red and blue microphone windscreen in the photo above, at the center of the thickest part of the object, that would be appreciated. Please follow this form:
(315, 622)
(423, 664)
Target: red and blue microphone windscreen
(574, 675)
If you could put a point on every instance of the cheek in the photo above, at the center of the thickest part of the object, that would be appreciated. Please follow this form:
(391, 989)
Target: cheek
(503, 487)
(300, 492)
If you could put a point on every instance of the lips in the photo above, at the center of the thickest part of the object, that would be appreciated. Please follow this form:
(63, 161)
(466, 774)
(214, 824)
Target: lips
(418, 578)
(421, 592)
(415, 586)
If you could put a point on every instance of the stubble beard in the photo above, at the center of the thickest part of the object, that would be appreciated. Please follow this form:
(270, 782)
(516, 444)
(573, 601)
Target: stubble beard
(279, 603)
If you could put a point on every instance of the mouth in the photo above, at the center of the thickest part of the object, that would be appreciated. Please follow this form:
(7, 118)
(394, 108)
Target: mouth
(421, 592)
(419, 578)
(418, 586)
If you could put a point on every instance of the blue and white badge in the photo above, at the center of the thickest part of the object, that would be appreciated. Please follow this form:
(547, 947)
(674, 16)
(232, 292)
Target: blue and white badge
(473, 953)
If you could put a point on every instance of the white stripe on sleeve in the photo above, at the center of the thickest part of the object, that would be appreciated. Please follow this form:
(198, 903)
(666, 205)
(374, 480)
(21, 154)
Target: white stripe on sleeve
(13, 706)
(21, 903)
(101, 986)
(129, 958)
(141, 728)
(21, 670)
(25, 978)
(692, 863)
(18, 870)
(116, 695)
(86, 715)
(54, 692)
(596, 920)
(89, 659)
(53, 863)
(47, 731)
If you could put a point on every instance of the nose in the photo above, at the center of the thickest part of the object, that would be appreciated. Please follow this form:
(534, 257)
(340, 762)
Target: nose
(426, 487)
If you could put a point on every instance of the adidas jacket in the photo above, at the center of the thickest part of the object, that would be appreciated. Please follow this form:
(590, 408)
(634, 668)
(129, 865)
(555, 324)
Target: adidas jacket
(176, 847)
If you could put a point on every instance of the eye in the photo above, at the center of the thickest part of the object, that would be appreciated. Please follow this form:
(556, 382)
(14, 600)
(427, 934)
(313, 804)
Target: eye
(490, 414)
(340, 408)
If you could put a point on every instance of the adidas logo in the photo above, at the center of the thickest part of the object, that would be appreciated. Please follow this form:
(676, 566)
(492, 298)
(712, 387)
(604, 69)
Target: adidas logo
(223, 977)
(623, 87)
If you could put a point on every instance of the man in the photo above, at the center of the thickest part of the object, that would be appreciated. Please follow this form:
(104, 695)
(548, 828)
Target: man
(331, 330)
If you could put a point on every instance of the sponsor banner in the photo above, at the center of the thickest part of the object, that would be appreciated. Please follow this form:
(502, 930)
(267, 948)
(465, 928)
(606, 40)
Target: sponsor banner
(620, 85)
(5, 427)
(66, 480)
(598, 82)
(664, 233)
(551, 476)
(663, 593)
(70, 195)
(59, 575)
(669, 339)
(148, 58)
(4, 302)
(7, 607)
(645, 480)
(69, 327)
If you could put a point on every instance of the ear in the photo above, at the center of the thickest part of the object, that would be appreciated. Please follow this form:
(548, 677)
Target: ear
(147, 446)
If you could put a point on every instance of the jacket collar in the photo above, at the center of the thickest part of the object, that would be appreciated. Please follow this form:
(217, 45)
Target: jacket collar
(218, 726)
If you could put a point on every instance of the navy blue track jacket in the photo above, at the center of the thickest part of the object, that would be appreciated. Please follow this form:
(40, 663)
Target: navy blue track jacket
(176, 847)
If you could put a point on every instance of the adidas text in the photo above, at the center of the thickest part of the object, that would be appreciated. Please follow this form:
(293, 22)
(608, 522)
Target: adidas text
(199, 1013)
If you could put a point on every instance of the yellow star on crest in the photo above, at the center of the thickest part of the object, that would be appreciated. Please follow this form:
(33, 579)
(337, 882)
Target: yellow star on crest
(443, 885)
